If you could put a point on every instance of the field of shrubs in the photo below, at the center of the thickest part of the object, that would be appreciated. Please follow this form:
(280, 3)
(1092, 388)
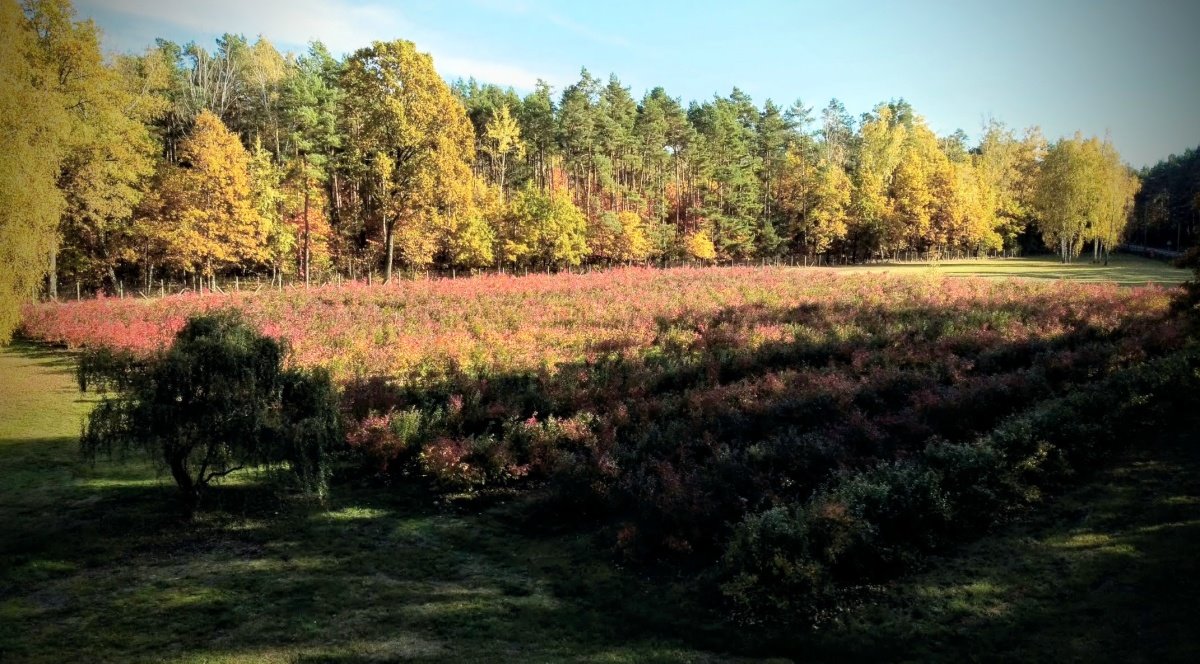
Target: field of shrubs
(785, 436)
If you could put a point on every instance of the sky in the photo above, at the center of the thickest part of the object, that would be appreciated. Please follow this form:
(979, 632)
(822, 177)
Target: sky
(1127, 70)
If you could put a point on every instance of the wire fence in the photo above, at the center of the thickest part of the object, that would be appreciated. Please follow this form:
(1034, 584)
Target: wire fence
(255, 283)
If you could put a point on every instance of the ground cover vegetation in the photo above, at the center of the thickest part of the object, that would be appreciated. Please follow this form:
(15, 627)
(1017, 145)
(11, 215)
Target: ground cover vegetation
(787, 436)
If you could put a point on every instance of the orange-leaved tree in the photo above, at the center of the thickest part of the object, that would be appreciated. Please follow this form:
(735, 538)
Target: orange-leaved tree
(203, 218)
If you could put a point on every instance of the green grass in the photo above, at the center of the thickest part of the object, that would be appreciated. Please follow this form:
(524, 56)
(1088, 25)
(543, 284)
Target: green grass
(1123, 269)
(96, 566)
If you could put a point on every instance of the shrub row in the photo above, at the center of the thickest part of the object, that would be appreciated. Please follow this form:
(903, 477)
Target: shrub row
(863, 527)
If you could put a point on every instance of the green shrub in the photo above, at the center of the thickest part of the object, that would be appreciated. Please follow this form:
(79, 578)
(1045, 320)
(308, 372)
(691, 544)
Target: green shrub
(770, 569)
(879, 522)
(975, 480)
(217, 401)
(799, 560)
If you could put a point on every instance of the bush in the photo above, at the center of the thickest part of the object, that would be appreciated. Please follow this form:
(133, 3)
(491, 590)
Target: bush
(877, 523)
(770, 568)
(974, 479)
(218, 400)
(801, 558)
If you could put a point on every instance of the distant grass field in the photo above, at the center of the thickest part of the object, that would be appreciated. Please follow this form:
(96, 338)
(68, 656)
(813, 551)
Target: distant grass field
(1123, 269)
(94, 566)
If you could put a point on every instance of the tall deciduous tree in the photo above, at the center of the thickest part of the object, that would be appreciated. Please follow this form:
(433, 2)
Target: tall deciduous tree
(108, 152)
(543, 228)
(1119, 186)
(34, 126)
(502, 139)
(403, 122)
(879, 152)
(1071, 191)
(1008, 166)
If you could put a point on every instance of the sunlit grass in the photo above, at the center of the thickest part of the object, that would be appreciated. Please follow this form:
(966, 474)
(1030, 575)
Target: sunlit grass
(352, 513)
(1122, 269)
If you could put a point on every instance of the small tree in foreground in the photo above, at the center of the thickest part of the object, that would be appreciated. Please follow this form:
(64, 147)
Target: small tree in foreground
(218, 400)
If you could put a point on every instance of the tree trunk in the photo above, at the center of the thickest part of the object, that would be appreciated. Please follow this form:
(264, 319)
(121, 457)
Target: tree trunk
(337, 198)
(52, 284)
(389, 231)
(189, 492)
(307, 254)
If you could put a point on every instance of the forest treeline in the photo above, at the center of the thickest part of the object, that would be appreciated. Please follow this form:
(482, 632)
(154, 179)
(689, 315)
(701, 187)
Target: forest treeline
(1167, 208)
(182, 161)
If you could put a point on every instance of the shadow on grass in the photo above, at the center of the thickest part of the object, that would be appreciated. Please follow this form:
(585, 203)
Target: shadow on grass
(98, 565)
(43, 355)
(1107, 573)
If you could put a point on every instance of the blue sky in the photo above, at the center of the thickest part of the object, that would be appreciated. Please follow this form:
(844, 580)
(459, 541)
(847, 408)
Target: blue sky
(1126, 69)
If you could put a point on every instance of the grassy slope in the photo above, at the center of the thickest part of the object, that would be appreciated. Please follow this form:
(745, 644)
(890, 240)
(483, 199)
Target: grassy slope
(1123, 269)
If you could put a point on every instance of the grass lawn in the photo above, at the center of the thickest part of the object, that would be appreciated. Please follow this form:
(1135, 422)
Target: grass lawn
(1123, 269)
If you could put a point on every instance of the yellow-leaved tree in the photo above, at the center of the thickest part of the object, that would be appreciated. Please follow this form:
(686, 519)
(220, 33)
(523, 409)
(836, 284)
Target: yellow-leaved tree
(1120, 185)
(33, 129)
(619, 236)
(108, 153)
(502, 139)
(203, 217)
(1082, 195)
(472, 235)
(882, 141)
(700, 246)
(922, 173)
(415, 144)
(543, 228)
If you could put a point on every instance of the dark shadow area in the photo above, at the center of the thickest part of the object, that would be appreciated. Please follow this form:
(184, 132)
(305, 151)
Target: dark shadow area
(44, 355)
(1107, 572)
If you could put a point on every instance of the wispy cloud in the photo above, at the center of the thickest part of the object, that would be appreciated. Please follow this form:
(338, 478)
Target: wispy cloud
(490, 71)
(559, 20)
(342, 26)
(586, 32)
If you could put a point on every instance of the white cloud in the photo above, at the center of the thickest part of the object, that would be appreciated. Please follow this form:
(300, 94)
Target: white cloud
(489, 71)
(342, 26)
